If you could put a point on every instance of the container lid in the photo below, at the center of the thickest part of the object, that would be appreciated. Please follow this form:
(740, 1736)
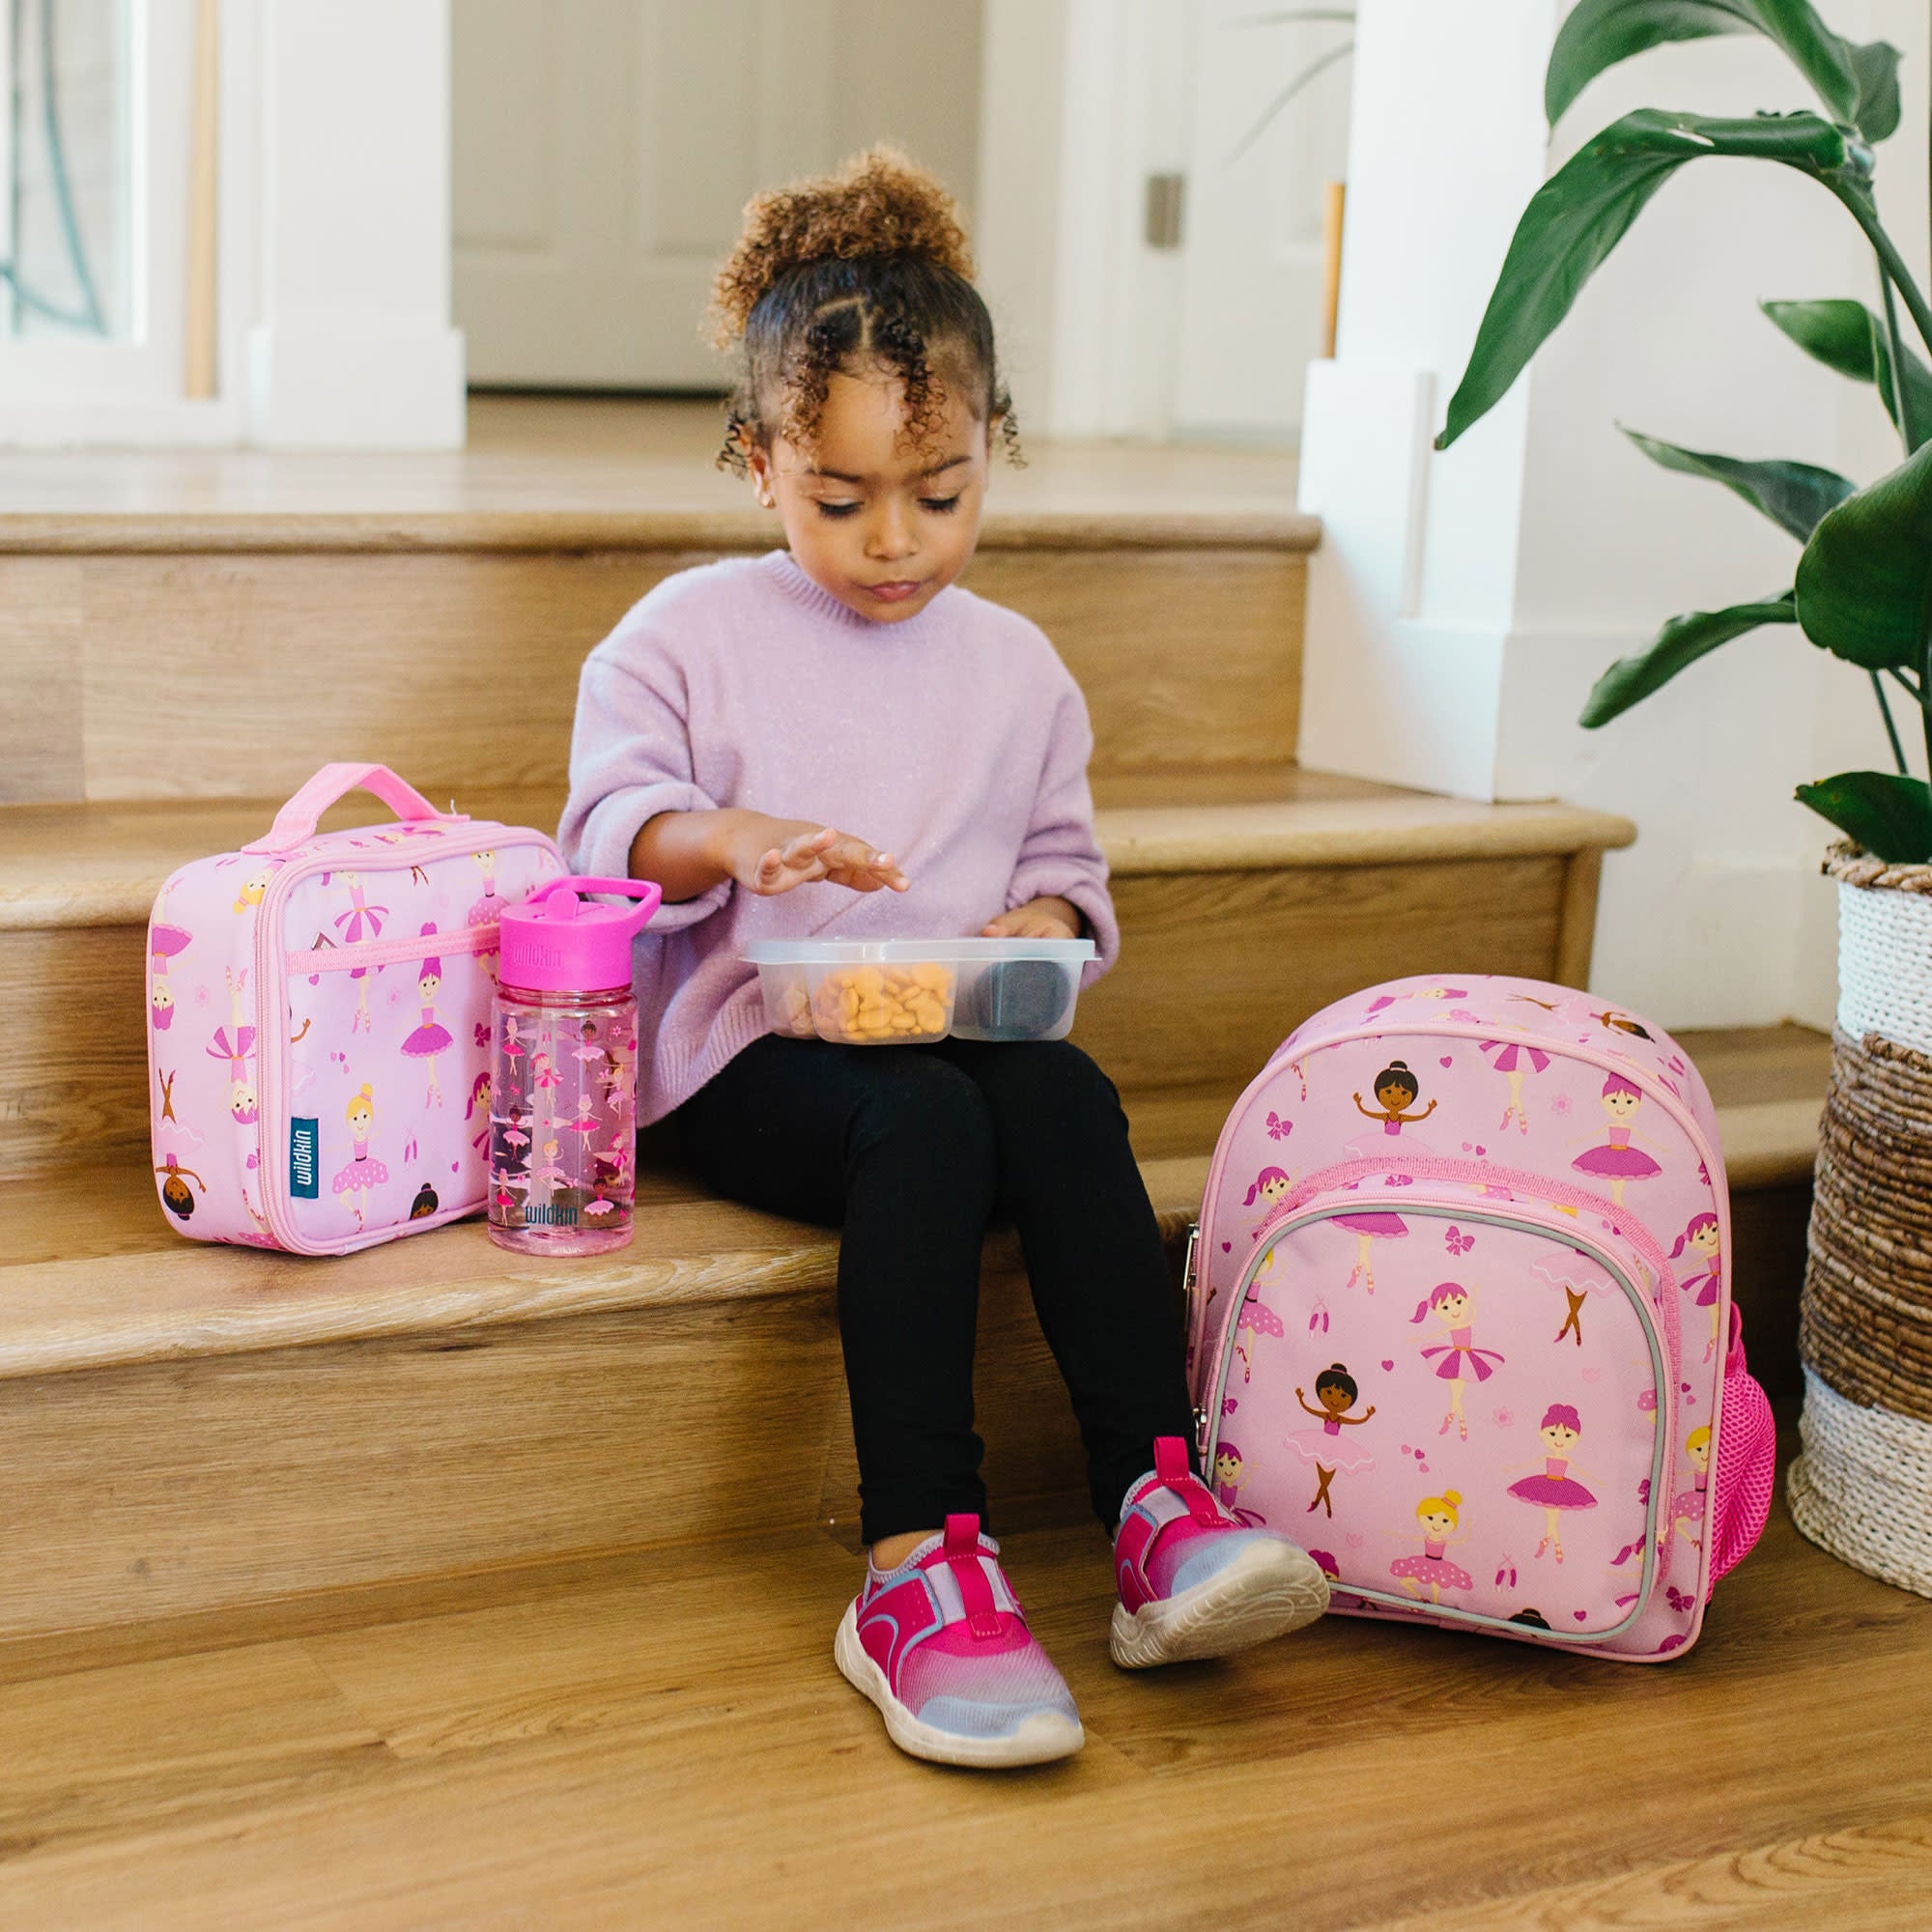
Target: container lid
(559, 941)
(912, 951)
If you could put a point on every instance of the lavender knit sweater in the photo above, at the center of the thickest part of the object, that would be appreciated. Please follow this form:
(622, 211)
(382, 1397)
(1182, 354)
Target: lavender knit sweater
(955, 740)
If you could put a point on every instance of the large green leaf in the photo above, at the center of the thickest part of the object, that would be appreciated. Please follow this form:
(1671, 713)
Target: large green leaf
(1585, 208)
(1876, 66)
(1888, 815)
(1682, 642)
(1865, 582)
(1794, 496)
(1857, 84)
(1848, 337)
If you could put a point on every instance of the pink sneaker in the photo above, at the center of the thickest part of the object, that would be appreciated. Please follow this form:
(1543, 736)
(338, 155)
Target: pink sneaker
(1193, 1582)
(940, 1646)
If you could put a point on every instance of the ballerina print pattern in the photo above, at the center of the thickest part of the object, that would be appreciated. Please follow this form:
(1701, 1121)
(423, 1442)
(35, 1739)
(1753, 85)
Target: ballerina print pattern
(1524, 1364)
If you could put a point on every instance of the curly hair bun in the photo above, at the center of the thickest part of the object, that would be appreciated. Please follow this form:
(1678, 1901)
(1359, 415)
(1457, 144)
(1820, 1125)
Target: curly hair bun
(878, 202)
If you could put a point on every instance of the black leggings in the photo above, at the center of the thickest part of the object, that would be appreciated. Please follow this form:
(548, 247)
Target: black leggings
(913, 1151)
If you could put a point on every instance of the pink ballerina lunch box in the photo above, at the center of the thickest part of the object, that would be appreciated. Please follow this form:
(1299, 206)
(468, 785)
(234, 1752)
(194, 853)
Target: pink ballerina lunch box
(318, 1021)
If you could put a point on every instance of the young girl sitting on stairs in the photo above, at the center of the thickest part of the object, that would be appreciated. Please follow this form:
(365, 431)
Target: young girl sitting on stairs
(835, 739)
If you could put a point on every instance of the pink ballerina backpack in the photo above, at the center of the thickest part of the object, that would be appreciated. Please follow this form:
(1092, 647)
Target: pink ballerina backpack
(318, 1021)
(1460, 1325)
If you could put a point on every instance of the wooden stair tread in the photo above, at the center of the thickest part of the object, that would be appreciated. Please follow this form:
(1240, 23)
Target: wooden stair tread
(509, 531)
(1386, 827)
(101, 863)
(605, 474)
(1770, 1142)
(97, 1276)
(111, 1284)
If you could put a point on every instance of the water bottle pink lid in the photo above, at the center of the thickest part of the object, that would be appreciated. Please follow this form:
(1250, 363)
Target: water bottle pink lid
(556, 941)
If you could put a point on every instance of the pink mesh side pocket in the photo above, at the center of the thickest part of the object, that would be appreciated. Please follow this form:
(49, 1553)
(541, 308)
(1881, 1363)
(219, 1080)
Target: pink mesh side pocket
(1746, 1472)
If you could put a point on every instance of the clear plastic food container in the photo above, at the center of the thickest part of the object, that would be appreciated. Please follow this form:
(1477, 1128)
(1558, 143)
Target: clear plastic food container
(908, 992)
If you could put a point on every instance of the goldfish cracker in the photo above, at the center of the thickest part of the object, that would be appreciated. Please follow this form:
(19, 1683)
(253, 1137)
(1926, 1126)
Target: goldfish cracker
(868, 1005)
(794, 1018)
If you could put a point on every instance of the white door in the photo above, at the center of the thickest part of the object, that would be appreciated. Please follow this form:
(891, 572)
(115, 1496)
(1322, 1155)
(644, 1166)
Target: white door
(1250, 301)
(603, 149)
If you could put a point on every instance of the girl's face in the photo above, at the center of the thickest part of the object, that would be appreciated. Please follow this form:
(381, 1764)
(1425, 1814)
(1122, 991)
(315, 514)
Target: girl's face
(1620, 1106)
(428, 986)
(1275, 1190)
(1394, 1099)
(880, 524)
(361, 1118)
(1336, 1401)
(1227, 1468)
(1561, 1440)
(241, 1100)
(1436, 1523)
(1451, 1308)
(1705, 1240)
(1700, 1454)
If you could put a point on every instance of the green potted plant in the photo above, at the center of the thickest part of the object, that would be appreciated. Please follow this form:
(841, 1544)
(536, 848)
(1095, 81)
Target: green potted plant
(1862, 590)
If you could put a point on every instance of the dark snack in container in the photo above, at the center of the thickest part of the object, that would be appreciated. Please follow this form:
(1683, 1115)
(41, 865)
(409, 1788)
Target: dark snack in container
(1026, 997)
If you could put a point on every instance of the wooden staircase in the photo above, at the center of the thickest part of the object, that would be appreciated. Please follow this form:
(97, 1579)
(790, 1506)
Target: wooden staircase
(188, 1429)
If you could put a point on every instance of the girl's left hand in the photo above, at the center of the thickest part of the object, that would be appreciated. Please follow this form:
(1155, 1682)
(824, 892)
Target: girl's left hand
(1037, 919)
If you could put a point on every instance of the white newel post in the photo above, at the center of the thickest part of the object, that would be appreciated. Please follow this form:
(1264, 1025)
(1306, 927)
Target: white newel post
(351, 347)
(1461, 603)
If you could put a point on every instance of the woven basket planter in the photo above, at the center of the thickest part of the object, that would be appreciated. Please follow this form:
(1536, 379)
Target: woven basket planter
(1862, 1487)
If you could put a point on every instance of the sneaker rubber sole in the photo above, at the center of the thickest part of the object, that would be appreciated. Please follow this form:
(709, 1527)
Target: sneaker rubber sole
(1040, 1740)
(1269, 1589)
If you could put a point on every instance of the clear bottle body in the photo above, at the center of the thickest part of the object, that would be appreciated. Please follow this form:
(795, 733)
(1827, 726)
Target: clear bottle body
(564, 1107)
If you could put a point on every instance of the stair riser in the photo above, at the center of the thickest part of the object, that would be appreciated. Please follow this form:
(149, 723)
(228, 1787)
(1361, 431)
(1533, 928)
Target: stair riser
(165, 1489)
(235, 676)
(74, 1067)
(1218, 969)
(264, 1476)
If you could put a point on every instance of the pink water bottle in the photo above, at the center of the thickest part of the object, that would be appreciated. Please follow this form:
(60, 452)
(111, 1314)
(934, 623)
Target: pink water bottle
(563, 1083)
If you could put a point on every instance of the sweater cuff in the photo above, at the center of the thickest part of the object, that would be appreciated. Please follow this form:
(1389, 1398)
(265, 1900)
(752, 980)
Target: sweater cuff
(604, 849)
(1048, 878)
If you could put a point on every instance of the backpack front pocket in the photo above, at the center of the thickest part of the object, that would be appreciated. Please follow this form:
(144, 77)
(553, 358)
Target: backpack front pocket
(1462, 1408)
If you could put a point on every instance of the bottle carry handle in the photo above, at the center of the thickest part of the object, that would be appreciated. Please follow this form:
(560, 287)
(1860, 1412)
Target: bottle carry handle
(647, 891)
(297, 820)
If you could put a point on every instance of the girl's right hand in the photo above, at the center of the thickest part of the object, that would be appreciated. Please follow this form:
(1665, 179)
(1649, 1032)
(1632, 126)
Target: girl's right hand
(690, 852)
(821, 852)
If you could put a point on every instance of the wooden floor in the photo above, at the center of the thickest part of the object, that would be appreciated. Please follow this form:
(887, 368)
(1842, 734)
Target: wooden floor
(662, 1740)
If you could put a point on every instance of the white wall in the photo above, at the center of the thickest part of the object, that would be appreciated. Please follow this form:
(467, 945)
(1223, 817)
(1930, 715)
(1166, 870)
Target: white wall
(351, 347)
(1463, 604)
(1016, 230)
